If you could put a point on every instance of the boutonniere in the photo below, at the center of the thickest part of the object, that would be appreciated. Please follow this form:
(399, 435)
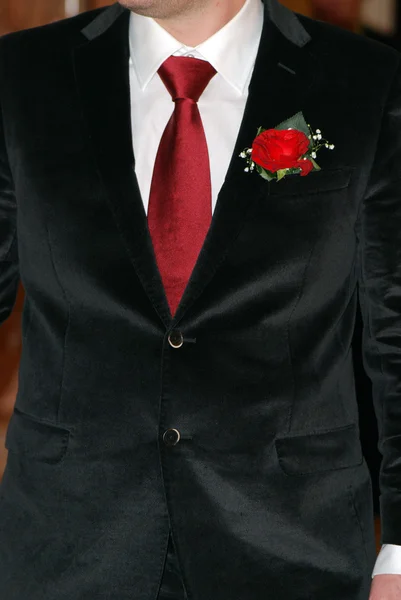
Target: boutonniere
(289, 149)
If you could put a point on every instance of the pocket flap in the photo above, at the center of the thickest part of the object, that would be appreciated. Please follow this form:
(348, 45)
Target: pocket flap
(40, 441)
(316, 182)
(322, 451)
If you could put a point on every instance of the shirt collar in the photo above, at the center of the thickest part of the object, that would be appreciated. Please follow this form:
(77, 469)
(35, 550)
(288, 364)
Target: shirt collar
(232, 50)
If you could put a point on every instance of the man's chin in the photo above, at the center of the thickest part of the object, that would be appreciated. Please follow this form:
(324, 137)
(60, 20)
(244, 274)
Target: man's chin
(160, 9)
(142, 7)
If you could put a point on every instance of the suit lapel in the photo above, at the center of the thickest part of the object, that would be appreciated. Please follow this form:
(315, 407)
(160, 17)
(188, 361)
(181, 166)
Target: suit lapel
(102, 74)
(281, 83)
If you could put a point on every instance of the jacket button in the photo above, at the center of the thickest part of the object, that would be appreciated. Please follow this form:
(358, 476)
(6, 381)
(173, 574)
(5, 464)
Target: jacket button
(171, 437)
(176, 339)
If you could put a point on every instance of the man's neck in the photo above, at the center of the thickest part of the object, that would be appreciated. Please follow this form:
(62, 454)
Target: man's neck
(199, 25)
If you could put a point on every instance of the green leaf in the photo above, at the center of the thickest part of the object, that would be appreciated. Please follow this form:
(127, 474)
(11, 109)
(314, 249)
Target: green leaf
(281, 173)
(294, 171)
(315, 165)
(260, 130)
(265, 174)
(295, 122)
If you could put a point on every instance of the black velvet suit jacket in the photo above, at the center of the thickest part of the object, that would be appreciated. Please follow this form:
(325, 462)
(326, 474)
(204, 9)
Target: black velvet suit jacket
(267, 494)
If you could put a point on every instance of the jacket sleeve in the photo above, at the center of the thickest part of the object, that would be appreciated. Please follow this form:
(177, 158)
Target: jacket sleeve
(9, 274)
(379, 232)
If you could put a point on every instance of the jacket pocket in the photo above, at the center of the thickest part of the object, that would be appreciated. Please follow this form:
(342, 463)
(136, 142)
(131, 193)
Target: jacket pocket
(34, 439)
(317, 182)
(321, 451)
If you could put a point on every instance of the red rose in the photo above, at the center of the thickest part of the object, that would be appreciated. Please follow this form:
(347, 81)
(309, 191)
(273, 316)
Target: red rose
(282, 149)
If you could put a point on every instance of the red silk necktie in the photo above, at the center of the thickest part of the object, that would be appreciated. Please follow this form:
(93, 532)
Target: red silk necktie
(180, 207)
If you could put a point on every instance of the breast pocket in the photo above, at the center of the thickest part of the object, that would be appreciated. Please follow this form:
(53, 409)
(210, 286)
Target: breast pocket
(36, 440)
(317, 182)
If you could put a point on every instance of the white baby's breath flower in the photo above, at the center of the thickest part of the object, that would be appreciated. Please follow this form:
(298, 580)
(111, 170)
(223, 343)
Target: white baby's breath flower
(313, 154)
(246, 169)
(242, 155)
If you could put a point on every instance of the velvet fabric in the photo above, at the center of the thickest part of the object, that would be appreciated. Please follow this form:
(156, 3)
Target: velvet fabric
(266, 494)
(171, 587)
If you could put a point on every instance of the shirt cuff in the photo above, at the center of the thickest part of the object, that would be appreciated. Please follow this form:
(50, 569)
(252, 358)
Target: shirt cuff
(389, 561)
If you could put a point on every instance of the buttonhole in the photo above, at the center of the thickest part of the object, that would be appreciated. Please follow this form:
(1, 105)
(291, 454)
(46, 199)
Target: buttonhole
(286, 68)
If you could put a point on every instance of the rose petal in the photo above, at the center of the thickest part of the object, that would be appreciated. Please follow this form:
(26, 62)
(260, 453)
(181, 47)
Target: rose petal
(306, 167)
(284, 148)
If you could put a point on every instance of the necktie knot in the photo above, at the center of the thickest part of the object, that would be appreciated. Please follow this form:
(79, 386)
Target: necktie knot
(186, 78)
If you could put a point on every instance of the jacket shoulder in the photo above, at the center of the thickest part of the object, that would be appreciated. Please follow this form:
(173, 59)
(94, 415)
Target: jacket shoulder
(342, 41)
(63, 33)
(351, 58)
(29, 53)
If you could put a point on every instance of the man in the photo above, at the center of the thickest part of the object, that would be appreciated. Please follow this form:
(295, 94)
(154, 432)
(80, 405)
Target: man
(186, 426)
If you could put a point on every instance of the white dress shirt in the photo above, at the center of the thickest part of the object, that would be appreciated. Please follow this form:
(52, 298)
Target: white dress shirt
(232, 51)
